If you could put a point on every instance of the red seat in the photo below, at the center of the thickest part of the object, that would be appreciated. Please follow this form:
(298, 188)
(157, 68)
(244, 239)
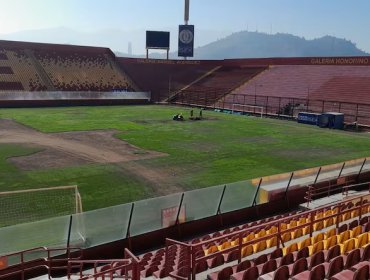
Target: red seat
(335, 266)
(360, 274)
(201, 266)
(277, 253)
(302, 253)
(332, 253)
(251, 274)
(231, 256)
(299, 266)
(223, 274)
(352, 258)
(316, 259)
(267, 267)
(243, 265)
(282, 273)
(316, 273)
(216, 261)
(260, 260)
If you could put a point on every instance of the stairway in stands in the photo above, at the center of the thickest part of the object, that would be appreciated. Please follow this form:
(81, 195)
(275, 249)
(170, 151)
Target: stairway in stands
(118, 69)
(216, 84)
(40, 70)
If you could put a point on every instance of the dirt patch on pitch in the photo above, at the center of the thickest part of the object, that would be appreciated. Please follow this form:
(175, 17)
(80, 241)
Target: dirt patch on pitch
(69, 149)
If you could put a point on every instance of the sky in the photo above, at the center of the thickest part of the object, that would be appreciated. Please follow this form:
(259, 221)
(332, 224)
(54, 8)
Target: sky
(306, 18)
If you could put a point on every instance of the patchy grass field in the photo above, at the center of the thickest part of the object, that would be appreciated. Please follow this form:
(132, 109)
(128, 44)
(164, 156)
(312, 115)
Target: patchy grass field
(219, 149)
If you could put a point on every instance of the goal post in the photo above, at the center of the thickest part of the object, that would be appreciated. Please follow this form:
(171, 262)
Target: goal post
(30, 205)
(259, 110)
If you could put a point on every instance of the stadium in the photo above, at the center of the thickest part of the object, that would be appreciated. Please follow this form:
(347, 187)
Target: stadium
(132, 168)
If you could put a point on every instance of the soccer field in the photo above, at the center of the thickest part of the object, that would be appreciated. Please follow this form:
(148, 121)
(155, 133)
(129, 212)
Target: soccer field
(125, 153)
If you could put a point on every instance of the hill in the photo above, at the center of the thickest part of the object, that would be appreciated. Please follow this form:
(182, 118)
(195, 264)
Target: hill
(246, 44)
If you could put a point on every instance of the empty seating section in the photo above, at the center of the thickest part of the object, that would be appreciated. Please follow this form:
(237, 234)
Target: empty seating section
(313, 88)
(164, 78)
(317, 82)
(216, 84)
(81, 71)
(21, 73)
(335, 237)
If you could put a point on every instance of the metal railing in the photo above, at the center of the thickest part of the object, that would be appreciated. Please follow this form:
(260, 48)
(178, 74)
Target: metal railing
(311, 220)
(50, 262)
(276, 106)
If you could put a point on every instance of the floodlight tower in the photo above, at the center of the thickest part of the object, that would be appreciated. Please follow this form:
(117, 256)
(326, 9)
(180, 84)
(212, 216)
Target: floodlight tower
(186, 35)
(186, 14)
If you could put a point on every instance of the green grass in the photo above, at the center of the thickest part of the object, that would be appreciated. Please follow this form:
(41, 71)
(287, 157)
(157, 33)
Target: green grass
(220, 149)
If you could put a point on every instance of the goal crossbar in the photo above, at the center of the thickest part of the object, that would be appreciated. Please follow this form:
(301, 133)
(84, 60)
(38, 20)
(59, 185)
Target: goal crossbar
(248, 108)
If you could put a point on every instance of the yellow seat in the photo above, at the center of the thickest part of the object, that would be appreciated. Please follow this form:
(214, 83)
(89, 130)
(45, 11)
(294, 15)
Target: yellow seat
(249, 237)
(318, 237)
(356, 231)
(318, 226)
(330, 242)
(304, 243)
(292, 223)
(247, 250)
(346, 216)
(344, 236)
(286, 237)
(224, 245)
(355, 213)
(330, 232)
(328, 222)
(211, 250)
(261, 233)
(283, 226)
(328, 213)
(235, 241)
(319, 215)
(335, 210)
(347, 246)
(306, 230)
(362, 240)
(319, 246)
(291, 248)
(302, 221)
(272, 230)
(259, 246)
(297, 233)
(271, 242)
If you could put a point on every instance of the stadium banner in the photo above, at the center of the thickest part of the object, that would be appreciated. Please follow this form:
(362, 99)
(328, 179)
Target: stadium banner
(169, 216)
(186, 41)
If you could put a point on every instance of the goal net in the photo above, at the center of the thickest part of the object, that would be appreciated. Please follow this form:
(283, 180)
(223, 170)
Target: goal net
(32, 205)
(252, 109)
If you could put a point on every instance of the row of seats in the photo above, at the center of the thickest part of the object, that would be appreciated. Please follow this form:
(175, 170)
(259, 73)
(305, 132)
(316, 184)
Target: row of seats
(212, 247)
(353, 229)
(268, 263)
(67, 71)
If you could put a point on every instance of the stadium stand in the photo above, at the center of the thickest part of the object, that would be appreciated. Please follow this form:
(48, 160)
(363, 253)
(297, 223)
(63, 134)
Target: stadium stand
(287, 89)
(164, 78)
(22, 74)
(215, 85)
(40, 67)
(331, 242)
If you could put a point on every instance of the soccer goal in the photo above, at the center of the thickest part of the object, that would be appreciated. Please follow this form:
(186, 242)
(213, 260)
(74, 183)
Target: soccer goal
(24, 206)
(248, 109)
